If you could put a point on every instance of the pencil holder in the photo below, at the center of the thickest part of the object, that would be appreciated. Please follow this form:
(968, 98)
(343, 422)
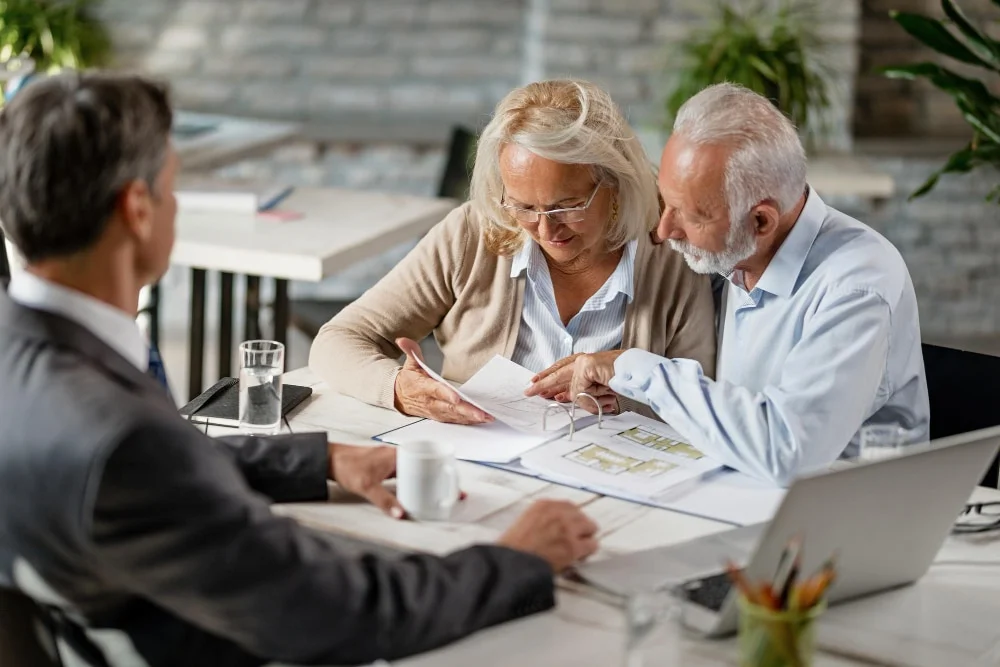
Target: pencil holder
(770, 638)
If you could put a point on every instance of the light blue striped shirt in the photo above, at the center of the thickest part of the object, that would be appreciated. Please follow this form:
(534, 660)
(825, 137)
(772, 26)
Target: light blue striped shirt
(542, 339)
(827, 340)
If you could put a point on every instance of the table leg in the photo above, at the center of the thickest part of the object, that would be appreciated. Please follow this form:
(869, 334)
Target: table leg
(281, 313)
(251, 328)
(225, 325)
(196, 340)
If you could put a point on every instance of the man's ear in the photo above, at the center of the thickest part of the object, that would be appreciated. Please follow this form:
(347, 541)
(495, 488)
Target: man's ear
(135, 209)
(765, 219)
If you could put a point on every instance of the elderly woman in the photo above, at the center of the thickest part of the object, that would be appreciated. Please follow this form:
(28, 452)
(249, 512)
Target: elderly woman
(551, 257)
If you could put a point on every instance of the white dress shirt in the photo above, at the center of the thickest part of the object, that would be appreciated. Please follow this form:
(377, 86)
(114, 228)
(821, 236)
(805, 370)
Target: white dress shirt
(112, 326)
(828, 340)
(542, 339)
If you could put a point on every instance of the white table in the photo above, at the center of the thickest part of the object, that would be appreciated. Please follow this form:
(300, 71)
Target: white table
(337, 228)
(225, 139)
(843, 175)
(586, 630)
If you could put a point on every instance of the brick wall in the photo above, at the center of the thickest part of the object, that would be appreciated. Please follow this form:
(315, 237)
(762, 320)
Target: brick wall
(950, 240)
(886, 107)
(316, 60)
(344, 61)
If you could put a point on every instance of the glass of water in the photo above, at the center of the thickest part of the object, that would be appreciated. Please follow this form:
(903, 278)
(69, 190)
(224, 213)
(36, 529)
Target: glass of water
(881, 441)
(262, 363)
(653, 634)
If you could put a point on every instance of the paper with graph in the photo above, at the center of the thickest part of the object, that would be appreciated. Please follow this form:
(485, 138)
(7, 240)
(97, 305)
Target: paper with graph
(498, 389)
(627, 452)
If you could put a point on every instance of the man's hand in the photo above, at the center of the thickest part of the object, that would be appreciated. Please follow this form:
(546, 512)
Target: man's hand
(554, 530)
(590, 373)
(361, 470)
(419, 395)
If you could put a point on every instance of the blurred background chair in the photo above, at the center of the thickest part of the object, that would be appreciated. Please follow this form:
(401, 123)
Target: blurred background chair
(964, 392)
(309, 315)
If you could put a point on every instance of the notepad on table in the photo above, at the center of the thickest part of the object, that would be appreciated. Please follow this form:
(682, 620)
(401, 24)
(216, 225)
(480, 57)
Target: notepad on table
(219, 404)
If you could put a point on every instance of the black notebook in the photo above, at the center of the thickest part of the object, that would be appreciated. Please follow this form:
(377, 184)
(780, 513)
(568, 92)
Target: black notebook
(219, 405)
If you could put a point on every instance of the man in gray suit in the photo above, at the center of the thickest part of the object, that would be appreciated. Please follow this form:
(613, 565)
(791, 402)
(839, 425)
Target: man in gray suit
(142, 540)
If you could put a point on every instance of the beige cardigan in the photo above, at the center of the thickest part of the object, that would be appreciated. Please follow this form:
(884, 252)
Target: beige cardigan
(451, 285)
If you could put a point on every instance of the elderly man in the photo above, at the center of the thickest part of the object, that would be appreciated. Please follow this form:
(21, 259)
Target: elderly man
(818, 323)
(145, 541)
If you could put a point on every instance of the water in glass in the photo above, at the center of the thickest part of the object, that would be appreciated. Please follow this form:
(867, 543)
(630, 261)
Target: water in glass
(261, 374)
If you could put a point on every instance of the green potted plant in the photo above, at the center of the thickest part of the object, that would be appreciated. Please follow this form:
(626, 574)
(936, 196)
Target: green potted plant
(957, 38)
(54, 34)
(770, 51)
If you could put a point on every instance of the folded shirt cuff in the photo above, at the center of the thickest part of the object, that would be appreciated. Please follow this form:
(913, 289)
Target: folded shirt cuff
(634, 369)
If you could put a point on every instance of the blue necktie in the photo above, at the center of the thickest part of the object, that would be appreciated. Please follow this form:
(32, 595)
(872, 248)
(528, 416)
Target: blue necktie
(156, 369)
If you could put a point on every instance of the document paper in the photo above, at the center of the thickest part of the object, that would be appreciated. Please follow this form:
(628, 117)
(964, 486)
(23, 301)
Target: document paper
(486, 443)
(626, 453)
(498, 389)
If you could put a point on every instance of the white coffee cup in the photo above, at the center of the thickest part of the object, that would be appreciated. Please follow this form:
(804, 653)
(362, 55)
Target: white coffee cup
(427, 480)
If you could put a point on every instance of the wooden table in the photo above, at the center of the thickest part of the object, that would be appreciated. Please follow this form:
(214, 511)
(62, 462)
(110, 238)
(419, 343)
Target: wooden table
(585, 629)
(337, 229)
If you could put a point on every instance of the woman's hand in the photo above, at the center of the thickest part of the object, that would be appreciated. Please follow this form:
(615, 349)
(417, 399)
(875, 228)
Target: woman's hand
(420, 395)
(579, 373)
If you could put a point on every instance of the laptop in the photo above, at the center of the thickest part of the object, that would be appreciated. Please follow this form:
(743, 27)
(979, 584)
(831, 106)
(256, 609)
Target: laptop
(886, 520)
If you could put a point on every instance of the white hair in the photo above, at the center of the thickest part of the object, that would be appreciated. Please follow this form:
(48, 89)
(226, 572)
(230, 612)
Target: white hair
(573, 122)
(767, 161)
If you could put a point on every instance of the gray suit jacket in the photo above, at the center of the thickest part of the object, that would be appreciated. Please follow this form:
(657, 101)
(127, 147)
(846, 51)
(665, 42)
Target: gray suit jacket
(157, 546)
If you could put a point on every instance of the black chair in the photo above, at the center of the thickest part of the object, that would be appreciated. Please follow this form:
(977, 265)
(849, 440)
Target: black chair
(964, 392)
(309, 315)
(25, 638)
(4, 261)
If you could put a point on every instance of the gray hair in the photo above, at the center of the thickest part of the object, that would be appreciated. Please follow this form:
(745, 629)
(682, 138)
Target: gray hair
(573, 122)
(768, 160)
(68, 145)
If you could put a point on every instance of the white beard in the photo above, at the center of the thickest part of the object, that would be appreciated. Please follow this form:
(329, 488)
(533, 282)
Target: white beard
(740, 246)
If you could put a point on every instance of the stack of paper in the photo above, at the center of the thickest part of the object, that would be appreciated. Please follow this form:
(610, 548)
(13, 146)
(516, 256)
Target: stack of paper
(210, 195)
(627, 453)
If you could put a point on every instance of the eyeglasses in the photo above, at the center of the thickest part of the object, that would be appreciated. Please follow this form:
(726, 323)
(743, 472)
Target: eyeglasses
(560, 215)
(981, 517)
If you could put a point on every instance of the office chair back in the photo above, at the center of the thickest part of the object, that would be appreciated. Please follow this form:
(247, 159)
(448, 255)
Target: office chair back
(309, 315)
(454, 181)
(964, 392)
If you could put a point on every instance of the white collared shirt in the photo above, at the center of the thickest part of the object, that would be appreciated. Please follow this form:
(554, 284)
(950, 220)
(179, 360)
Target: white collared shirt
(112, 326)
(542, 339)
(828, 340)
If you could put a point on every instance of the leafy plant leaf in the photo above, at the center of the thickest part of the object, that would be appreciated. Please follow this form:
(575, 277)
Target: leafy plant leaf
(934, 34)
(987, 48)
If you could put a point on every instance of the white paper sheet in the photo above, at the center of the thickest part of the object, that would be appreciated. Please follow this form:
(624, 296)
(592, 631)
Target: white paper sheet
(627, 453)
(487, 443)
(725, 495)
(498, 389)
